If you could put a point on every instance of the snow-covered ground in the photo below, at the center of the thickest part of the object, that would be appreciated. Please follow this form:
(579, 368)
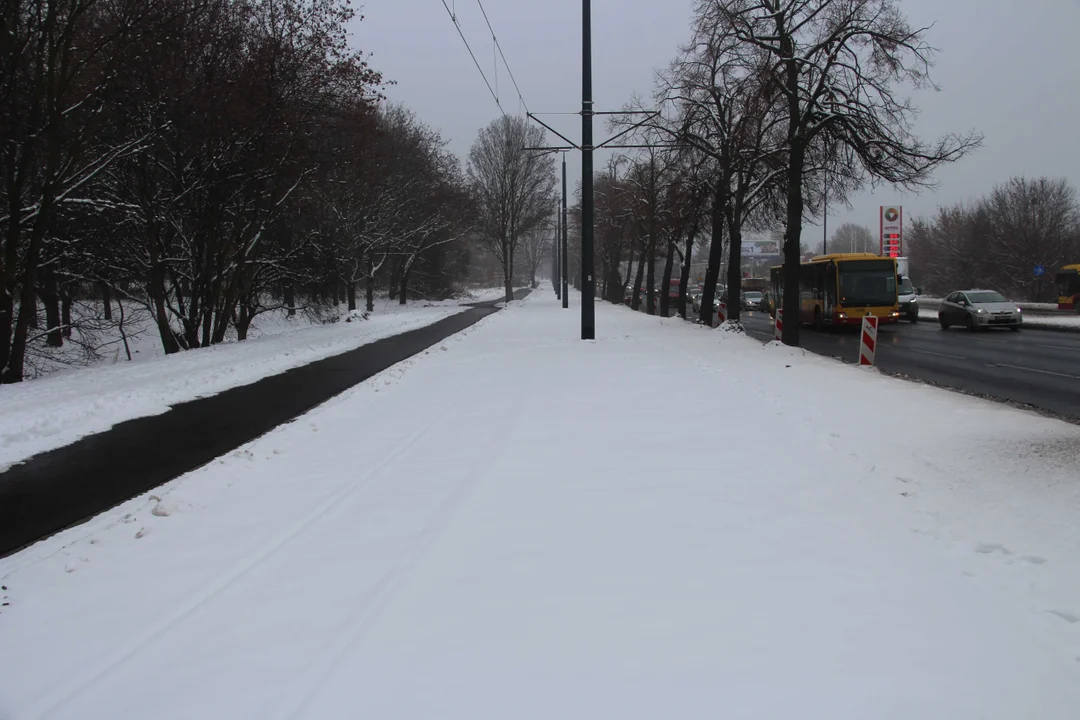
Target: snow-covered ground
(1057, 322)
(61, 407)
(934, 302)
(668, 522)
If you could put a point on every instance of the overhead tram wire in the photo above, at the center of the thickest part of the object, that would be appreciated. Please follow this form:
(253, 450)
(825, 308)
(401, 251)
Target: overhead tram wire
(494, 95)
(498, 47)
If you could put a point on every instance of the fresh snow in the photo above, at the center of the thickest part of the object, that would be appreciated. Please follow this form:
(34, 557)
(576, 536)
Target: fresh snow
(1059, 322)
(670, 521)
(59, 408)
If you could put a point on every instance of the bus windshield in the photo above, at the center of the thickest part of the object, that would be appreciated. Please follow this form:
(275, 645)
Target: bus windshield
(866, 283)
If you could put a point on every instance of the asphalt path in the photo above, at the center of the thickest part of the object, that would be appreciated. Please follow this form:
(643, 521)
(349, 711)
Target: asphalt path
(63, 487)
(1030, 367)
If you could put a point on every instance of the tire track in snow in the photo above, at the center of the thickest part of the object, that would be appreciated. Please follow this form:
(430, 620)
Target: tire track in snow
(387, 587)
(140, 641)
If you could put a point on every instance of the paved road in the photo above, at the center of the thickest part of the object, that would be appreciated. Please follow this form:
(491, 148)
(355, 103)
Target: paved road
(1035, 368)
(64, 487)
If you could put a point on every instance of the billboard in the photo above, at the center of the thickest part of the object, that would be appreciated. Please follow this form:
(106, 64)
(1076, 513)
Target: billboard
(892, 230)
(767, 248)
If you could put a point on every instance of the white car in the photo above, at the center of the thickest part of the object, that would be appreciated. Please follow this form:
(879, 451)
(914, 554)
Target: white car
(907, 295)
(751, 300)
(979, 309)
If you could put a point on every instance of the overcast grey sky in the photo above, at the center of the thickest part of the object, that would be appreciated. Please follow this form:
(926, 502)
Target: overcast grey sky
(1007, 68)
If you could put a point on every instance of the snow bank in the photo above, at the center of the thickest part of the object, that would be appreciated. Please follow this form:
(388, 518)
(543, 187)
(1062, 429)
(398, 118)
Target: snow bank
(1045, 322)
(667, 522)
(59, 408)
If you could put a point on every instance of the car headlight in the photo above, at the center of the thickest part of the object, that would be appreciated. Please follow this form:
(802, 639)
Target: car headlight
(1019, 310)
(981, 311)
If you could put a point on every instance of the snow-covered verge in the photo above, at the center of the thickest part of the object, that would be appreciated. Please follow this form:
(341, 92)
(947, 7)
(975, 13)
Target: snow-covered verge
(520, 524)
(1063, 322)
(1042, 308)
(59, 408)
(132, 331)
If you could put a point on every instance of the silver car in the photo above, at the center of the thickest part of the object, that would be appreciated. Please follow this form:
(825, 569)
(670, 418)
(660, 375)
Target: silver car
(979, 309)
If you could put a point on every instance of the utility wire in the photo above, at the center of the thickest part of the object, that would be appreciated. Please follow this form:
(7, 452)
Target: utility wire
(453, 18)
(503, 56)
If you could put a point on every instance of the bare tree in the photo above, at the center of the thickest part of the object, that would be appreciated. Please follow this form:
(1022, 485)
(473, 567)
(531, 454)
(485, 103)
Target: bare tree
(513, 188)
(1000, 240)
(839, 64)
(852, 238)
(536, 246)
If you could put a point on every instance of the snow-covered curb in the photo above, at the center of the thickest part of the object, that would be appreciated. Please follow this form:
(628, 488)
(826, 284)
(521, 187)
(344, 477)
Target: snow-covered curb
(1056, 323)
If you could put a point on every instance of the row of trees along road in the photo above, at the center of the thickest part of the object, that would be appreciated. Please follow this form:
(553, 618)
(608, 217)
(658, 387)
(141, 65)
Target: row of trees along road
(999, 240)
(771, 104)
(207, 161)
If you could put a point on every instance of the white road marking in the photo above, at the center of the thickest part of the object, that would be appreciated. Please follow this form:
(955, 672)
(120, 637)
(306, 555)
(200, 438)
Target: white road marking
(1035, 370)
(930, 352)
(1056, 347)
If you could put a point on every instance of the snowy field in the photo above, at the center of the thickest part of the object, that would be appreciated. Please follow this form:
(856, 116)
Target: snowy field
(59, 408)
(668, 522)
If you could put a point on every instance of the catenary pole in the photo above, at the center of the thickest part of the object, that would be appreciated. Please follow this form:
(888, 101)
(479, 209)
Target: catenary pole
(588, 295)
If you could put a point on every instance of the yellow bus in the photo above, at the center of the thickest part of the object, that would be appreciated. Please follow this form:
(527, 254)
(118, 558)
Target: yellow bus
(1068, 283)
(842, 288)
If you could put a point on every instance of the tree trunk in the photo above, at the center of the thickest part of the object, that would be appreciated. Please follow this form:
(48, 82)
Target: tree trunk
(66, 301)
(35, 321)
(403, 297)
(243, 323)
(650, 277)
(716, 254)
(635, 300)
(51, 299)
(370, 289)
(395, 279)
(684, 278)
(7, 280)
(290, 299)
(792, 238)
(665, 284)
(351, 290)
(106, 299)
(734, 281)
(793, 227)
(157, 294)
(221, 324)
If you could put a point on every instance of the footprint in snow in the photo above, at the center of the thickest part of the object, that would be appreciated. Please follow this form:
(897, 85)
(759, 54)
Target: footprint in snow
(990, 548)
(1069, 617)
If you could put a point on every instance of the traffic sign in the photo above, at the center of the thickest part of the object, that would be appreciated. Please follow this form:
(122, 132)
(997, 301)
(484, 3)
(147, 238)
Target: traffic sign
(1040, 271)
(892, 230)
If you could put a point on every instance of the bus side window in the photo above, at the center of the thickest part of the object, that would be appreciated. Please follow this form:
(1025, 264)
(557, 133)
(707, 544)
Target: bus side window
(830, 286)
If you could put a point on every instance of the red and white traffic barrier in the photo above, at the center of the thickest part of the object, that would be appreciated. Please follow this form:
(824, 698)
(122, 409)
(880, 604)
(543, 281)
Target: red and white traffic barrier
(868, 346)
(719, 316)
(779, 336)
